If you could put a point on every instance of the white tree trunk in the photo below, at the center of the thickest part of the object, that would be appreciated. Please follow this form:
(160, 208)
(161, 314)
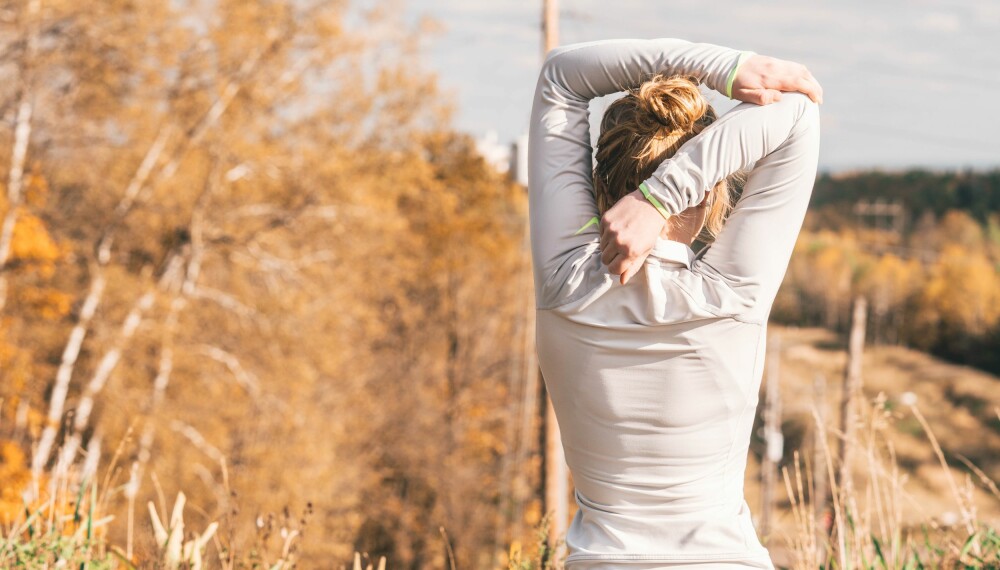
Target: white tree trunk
(107, 365)
(57, 401)
(22, 135)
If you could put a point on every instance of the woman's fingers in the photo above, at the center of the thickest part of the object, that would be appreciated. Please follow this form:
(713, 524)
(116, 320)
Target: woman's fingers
(605, 235)
(630, 271)
(758, 96)
(807, 84)
(816, 88)
(760, 75)
(609, 253)
(769, 96)
(626, 267)
(617, 264)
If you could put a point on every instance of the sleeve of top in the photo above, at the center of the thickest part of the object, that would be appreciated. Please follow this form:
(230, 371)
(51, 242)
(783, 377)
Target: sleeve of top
(750, 255)
(561, 197)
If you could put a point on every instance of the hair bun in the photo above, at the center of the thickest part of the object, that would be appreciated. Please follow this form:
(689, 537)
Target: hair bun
(673, 102)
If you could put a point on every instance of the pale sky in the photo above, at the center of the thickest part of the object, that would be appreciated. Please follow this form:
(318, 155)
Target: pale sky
(912, 83)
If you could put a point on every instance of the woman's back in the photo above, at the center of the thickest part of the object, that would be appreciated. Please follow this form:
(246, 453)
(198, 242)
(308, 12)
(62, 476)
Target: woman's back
(655, 382)
(655, 397)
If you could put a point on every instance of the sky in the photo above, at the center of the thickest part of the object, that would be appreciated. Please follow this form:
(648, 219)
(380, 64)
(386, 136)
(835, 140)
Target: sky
(907, 83)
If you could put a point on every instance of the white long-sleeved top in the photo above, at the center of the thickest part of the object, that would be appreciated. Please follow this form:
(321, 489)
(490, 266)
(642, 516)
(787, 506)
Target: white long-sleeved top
(655, 383)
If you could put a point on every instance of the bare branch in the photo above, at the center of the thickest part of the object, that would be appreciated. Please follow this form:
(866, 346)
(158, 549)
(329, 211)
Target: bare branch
(104, 369)
(135, 185)
(177, 304)
(196, 439)
(247, 380)
(225, 301)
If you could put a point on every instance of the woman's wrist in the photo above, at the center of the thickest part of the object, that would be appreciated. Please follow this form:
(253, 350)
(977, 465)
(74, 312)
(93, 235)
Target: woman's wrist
(744, 55)
(652, 200)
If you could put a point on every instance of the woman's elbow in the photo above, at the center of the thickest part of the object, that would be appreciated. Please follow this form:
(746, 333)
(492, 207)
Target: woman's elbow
(808, 110)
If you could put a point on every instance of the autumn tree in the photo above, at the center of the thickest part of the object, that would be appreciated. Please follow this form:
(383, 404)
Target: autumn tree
(246, 235)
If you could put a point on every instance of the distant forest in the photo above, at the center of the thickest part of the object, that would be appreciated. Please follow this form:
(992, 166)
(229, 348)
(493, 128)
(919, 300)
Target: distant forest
(923, 247)
(919, 191)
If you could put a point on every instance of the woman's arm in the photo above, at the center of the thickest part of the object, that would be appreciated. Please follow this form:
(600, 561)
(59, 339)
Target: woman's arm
(561, 197)
(630, 228)
(752, 251)
(750, 255)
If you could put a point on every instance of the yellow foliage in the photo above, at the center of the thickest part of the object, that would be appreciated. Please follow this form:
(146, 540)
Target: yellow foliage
(963, 290)
(485, 442)
(32, 241)
(36, 188)
(45, 302)
(533, 512)
(891, 281)
(14, 477)
(15, 362)
(958, 228)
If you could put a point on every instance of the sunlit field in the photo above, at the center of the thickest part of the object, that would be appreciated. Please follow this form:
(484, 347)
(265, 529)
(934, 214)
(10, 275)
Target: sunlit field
(944, 515)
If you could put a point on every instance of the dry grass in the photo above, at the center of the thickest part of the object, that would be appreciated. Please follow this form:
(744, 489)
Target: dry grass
(905, 506)
(919, 497)
(66, 525)
(870, 530)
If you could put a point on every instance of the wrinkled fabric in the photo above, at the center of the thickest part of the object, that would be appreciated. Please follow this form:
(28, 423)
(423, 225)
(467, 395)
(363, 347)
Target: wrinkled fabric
(655, 383)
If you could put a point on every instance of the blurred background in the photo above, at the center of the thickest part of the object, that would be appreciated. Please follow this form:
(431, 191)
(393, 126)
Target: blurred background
(265, 293)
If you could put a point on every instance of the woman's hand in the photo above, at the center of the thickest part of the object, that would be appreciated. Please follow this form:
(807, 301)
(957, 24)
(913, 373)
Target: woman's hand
(629, 234)
(761, 80)
(629, 228)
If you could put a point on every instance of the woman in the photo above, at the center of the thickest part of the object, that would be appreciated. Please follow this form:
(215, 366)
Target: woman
(654, 379)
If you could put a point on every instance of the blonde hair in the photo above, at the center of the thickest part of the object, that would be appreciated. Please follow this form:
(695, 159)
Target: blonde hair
(644, 128)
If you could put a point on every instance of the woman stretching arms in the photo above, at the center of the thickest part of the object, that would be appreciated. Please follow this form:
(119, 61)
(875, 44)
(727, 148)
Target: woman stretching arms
(654, 378)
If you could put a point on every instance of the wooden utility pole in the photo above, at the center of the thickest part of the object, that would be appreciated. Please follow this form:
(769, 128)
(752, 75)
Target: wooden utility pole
(851, 392)
(550, 25)
(773, 439)
(556, 473)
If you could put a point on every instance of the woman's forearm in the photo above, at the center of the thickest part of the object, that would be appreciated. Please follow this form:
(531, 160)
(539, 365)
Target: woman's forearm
(588, 70)
(741, 137)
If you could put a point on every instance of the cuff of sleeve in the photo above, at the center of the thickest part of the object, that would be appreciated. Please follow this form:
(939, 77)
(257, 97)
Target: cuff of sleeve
(675, 184)
(744, 55)
(652, 200)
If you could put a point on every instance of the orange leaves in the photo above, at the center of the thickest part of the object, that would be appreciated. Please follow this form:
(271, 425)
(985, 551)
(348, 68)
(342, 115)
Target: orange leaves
(45, 302)
(962, 290)
(346, 250)
(942, 280)
(33, 257)
(36, 188)
(14, 476)
(890, 280)
(34, 245)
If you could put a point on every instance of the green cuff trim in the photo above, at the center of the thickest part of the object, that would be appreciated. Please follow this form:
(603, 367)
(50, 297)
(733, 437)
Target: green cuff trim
(591, 222)
(744, 55)
(652, 200)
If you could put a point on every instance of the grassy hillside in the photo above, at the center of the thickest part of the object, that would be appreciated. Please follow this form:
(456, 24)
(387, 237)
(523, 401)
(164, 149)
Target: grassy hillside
(959, 403)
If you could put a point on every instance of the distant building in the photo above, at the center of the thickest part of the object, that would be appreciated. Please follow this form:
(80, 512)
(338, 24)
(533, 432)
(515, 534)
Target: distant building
(510, 158)
(496, 155)
(519, 164)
